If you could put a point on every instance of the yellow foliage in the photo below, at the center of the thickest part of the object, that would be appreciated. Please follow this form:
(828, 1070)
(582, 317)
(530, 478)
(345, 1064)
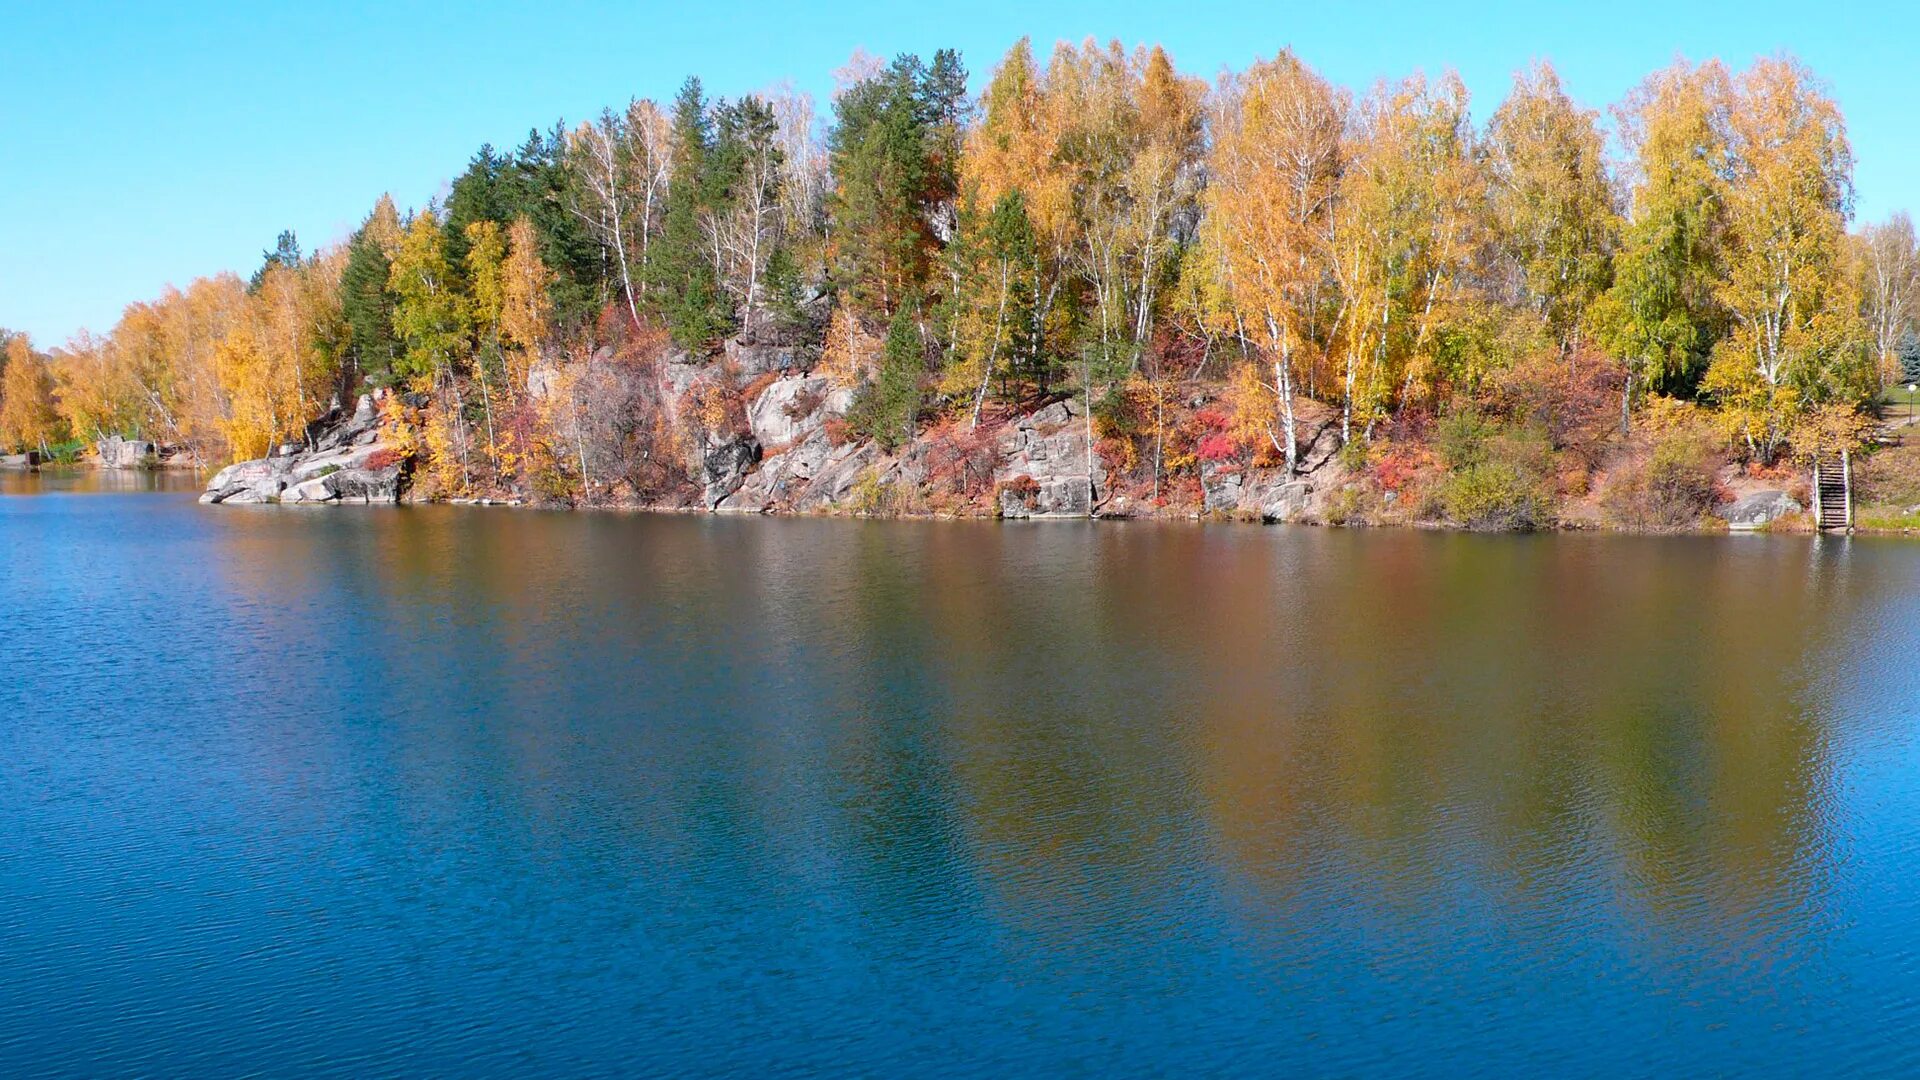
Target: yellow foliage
(1251, 402)
(524, 307)
(444, 441)
(27, 417)
(850, 355)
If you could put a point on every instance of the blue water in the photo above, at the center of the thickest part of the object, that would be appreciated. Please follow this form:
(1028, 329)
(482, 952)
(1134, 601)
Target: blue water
(442, 791)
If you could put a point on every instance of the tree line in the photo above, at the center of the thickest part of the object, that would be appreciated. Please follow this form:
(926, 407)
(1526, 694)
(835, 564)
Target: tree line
(1098, 224)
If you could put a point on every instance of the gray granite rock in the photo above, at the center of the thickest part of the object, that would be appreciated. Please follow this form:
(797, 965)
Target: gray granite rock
(1044, 468)
(724, 467)
(350, 464)
(794, 407)
(118, 453)
(1760, 508)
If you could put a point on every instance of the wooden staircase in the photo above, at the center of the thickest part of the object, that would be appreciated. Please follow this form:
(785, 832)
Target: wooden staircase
(1833, 493)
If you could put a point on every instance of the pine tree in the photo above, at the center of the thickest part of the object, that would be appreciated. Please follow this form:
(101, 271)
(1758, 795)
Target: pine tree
(891, 174)
(365, 301)
(482, 193)
(539, 188)
(285, 252)
(888, 408)
(681, 280)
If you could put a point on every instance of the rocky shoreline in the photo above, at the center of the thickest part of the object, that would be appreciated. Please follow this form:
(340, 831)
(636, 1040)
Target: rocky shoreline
(789, 459)
(345, 460)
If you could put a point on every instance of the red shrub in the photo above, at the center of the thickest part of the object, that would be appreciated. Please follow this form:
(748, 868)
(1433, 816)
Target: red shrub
(382, 458)
(1217, 447)
(1400, 465)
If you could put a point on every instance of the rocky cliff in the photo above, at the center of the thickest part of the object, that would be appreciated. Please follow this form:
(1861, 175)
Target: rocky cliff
(345, 459)
(787, 448)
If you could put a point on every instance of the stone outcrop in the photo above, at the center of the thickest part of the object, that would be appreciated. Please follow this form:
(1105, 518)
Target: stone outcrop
(1044, 465)
(1264, 493)
(724, 467)
(752, 359)
(812, 475)
(118, 453)
(348, 462)
(1759, 509)
(802, 468)
(792, 408)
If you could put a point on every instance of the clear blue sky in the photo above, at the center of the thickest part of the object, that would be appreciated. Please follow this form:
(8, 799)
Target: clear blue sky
(142, 144)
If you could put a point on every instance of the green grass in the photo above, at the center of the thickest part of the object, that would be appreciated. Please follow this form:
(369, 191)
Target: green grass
(1896, 402)
(1885, 517)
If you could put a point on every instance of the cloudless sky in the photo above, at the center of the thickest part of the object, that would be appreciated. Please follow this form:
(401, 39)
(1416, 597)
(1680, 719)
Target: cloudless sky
(143, 144)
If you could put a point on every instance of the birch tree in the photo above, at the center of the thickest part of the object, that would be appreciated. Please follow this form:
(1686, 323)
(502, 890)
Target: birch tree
(1889, 274)
(1796, 336)
(1274, 173)
(1552, 207)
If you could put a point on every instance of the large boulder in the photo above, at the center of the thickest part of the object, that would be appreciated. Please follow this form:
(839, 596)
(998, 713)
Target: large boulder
(1220, 488)
(118, 453)
(360, 485)
(812, 475)
(257, 481)
(1760, 508)
(1266, 493)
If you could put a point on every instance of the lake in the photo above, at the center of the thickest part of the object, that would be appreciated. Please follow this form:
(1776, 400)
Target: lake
(464, 791)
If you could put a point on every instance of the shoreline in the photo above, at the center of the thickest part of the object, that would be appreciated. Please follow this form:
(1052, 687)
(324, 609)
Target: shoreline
(1712, 527)
(405, 495)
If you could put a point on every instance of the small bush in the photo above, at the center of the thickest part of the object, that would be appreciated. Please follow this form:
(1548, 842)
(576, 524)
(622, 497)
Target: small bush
(1398, 467)
(1217, 446)
(1499, 478)
(1352, 504)
(1462, 438)
(1671, 487)
(1496, 496)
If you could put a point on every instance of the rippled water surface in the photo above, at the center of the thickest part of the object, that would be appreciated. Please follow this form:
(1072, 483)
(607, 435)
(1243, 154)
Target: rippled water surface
(476, 792)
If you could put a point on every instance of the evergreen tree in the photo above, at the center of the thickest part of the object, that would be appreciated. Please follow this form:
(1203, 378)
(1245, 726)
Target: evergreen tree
(487, 191)
(538, 187)
(785, 312)
(891, 173)
(887, 408)
(285, 252)
(367, 306)
(680, 275)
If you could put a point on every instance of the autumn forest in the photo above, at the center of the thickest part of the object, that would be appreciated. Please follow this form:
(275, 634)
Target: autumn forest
(1486, 323)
